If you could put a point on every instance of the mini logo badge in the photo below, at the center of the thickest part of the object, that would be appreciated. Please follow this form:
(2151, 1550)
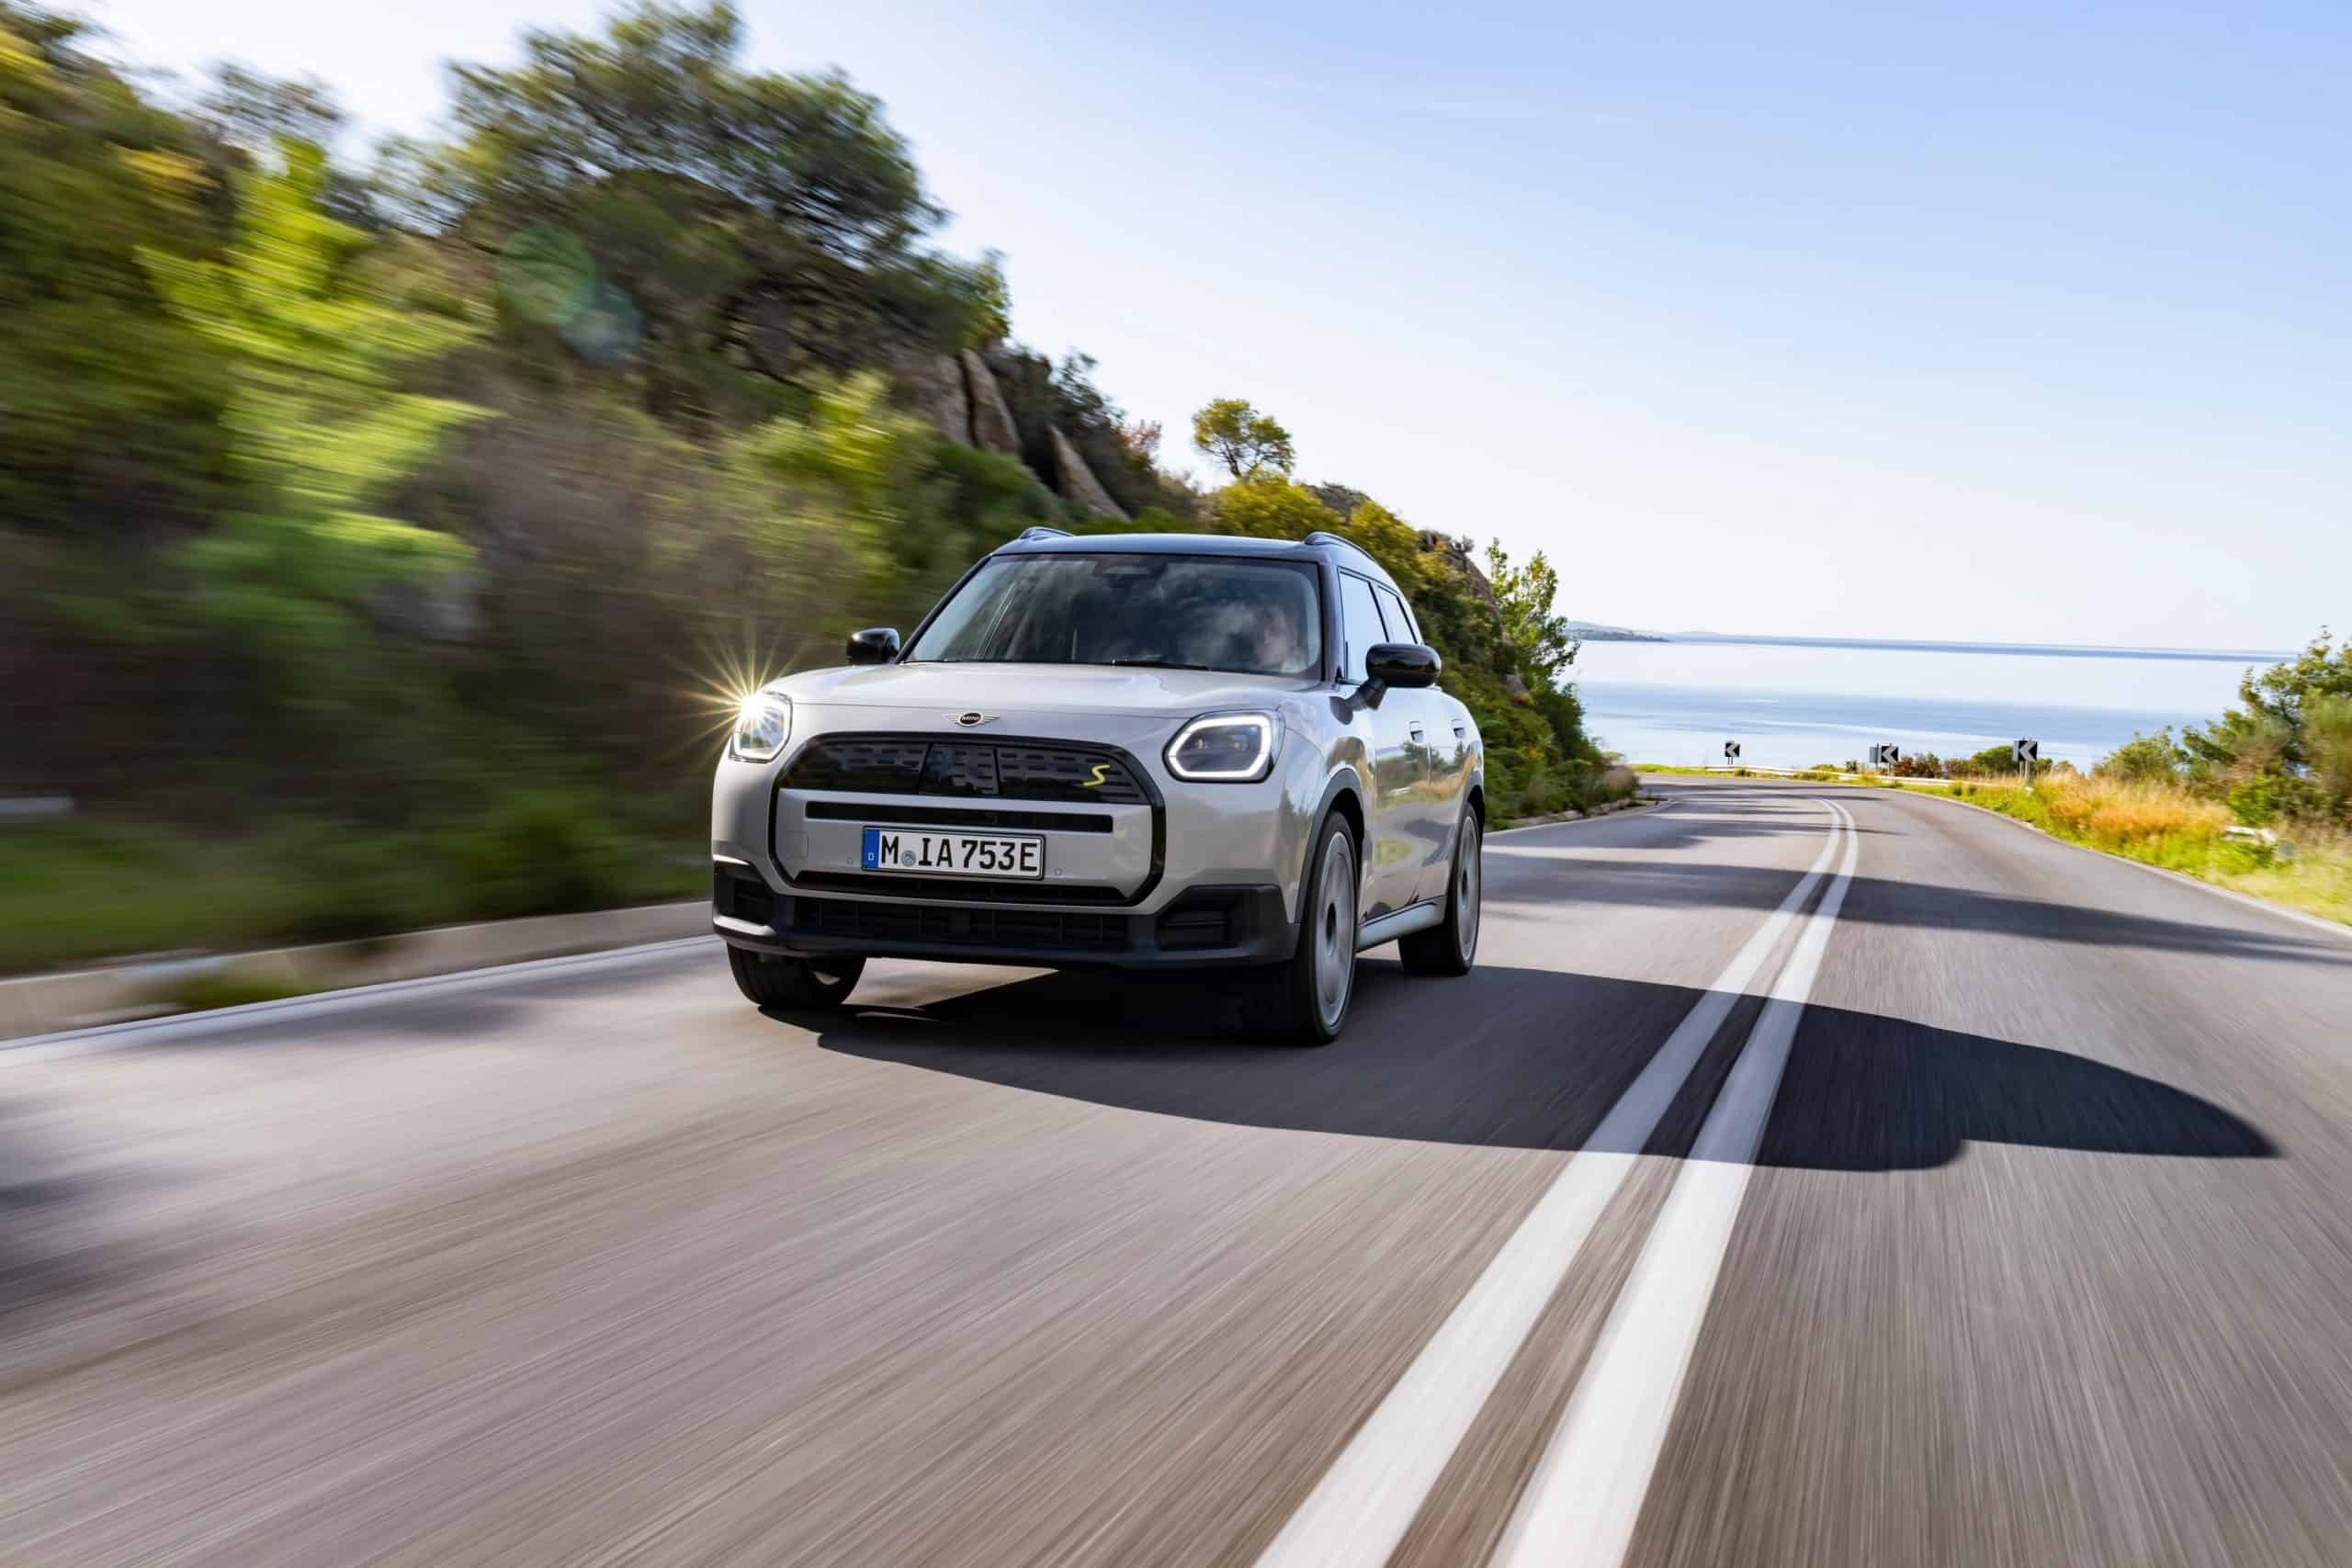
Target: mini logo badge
(974, 720)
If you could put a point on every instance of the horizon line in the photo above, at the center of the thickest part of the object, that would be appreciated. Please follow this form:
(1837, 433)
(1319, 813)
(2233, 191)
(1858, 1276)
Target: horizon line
(1957, 644)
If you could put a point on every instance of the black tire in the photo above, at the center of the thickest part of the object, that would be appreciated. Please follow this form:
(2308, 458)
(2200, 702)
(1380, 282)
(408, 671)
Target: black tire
(773, 980)
(1311, 991)
(1452, 946)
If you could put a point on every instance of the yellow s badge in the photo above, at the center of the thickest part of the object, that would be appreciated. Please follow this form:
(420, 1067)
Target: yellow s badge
(1096, 781)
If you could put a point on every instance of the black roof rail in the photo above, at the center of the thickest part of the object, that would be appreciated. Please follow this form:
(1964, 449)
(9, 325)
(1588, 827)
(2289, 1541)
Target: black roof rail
(1042, 532)
(1325, 537)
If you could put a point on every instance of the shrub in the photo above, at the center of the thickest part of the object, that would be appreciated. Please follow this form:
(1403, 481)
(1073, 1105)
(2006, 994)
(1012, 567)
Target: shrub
(1616, 782)
(2327, 747)
(2144, 759)
(540, 852)
(2266, 798)
(342, 884)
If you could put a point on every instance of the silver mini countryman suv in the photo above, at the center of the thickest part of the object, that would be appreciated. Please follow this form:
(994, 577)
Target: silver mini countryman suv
(1146, 750)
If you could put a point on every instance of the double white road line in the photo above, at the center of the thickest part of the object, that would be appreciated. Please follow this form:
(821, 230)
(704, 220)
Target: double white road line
(1581, 1504)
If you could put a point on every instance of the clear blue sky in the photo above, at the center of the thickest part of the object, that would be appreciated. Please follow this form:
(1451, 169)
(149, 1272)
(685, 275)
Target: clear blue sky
(1990, 321)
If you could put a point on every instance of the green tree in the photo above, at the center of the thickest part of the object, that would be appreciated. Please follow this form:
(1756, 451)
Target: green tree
(2265, 731)
(110, 407)
(1246, 442)
(1991, 760)
(320, 433)
(255, 111)
(2327, 746)
(1538, 637)
(2143, 759)
(1268, 507)
(742, 228)
(990, 321)
(871, 500)
(1393, 542)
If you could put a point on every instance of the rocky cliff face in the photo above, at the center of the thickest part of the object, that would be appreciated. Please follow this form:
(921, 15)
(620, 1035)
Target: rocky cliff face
(1077, 481)
(959, 395)
(933, 386)
(1342, 499)
(992, 426)
(1455, 553)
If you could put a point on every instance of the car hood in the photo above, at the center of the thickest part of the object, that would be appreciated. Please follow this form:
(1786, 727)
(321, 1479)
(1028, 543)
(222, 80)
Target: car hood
(936, 693)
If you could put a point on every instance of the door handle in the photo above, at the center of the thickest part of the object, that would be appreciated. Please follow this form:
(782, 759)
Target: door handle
(1460, 733)
(1416, 732)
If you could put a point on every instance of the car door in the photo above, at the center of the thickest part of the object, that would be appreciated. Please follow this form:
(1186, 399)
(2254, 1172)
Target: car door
(1393, 854)
(1442, 749)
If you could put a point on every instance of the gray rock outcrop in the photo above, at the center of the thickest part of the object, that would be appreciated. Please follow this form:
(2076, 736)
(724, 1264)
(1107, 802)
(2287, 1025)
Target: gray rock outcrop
(1077, 481)
(992, 426)
(1456, 554)
(932, 385)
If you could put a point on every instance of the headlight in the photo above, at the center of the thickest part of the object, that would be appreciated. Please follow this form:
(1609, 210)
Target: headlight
(762, 727)
(1226, 747)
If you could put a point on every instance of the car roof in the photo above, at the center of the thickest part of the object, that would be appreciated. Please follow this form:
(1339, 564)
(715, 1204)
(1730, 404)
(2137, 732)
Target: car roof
(1315, 547)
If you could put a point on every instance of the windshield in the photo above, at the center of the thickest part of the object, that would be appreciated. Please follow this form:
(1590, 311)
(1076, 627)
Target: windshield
(1252, 617)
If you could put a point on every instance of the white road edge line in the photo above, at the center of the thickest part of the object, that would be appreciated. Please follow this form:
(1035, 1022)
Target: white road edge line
(1582, 1501)
(33, 1047)
(1366, 1500)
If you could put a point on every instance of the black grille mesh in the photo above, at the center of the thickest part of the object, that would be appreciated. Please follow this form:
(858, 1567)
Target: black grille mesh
(876, 766)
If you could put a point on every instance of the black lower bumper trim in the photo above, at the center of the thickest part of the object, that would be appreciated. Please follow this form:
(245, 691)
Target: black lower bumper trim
(1205, 925)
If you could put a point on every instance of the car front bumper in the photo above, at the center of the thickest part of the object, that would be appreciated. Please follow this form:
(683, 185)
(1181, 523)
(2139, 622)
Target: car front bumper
(1199, 927)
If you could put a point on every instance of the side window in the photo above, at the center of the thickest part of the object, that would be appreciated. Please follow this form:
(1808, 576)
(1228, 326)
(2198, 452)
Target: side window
(1359, 623)
(1400, 623)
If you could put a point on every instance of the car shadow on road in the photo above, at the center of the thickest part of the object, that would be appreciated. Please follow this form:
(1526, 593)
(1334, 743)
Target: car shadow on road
(1532, 1059)
(1882, 901)
(48, 1212)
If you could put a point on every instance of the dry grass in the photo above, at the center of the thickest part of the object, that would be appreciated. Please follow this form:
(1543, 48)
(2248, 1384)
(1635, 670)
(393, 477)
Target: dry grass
(2130, 818)
(2311, 870)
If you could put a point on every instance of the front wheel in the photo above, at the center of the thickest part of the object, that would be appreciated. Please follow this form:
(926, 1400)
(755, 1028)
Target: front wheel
(1450, 946)
(774, 980)
(1311, 992)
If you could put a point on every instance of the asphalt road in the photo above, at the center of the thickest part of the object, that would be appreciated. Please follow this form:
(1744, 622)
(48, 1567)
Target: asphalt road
(1804, 1177)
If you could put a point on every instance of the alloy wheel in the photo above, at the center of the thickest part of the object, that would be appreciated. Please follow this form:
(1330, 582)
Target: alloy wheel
(1335, 931)
(1467, 873)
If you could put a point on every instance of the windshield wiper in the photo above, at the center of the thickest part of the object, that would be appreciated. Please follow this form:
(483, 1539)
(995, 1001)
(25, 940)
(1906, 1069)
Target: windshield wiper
(1160, 664)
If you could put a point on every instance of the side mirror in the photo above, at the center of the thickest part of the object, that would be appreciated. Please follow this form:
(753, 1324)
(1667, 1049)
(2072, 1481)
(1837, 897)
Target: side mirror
(875, 644)
(1404, 665)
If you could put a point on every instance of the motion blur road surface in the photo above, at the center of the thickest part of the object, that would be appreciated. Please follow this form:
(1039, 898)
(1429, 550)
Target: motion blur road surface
(2017, 1230)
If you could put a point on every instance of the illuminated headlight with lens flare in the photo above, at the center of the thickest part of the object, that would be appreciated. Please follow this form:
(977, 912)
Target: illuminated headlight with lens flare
(1226, 747)
(762, 727)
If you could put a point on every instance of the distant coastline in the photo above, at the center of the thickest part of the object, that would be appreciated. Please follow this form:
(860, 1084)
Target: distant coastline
(1586, 631)
(1589, 632)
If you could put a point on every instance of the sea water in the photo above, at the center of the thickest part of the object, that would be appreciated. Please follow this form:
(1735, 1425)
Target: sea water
(1790, 704)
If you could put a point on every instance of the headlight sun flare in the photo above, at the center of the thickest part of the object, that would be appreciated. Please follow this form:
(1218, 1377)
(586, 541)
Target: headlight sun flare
(762, 724)
(1226, 747)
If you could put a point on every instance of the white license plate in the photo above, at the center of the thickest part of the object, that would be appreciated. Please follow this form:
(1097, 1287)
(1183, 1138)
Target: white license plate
(952, 854)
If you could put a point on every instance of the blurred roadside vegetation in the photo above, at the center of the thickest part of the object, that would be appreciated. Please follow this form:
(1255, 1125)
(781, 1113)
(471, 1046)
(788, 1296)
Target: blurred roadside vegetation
(2259, 799)
(385, 542)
